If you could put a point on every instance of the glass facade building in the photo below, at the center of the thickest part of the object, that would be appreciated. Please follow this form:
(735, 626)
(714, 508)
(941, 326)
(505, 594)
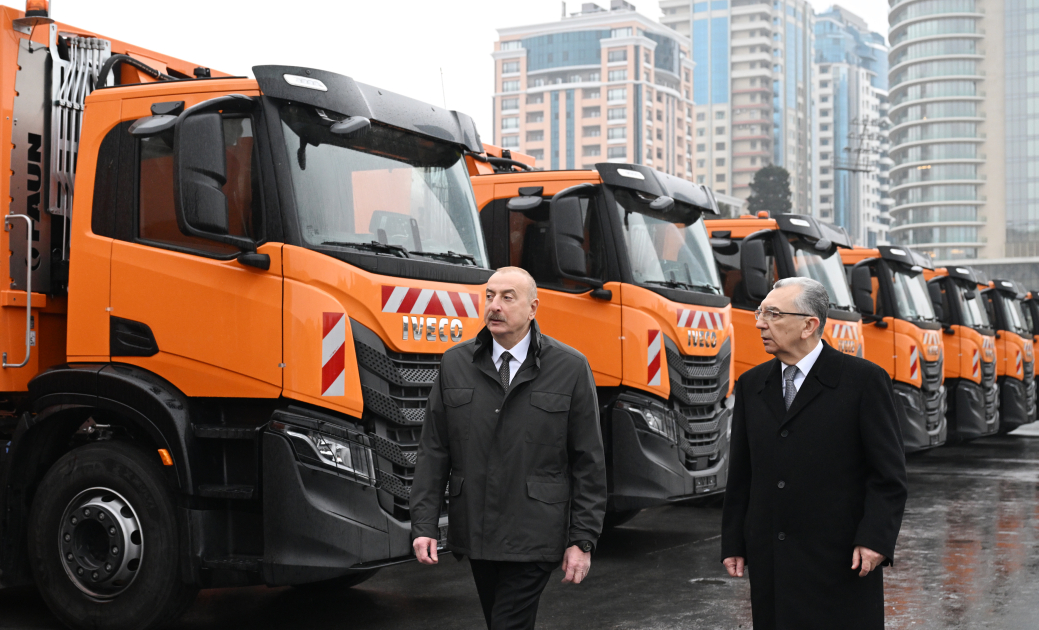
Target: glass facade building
(1022, 127)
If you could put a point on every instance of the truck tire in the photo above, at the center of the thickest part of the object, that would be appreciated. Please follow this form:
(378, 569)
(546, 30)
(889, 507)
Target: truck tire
(104, 544)
(347, 581)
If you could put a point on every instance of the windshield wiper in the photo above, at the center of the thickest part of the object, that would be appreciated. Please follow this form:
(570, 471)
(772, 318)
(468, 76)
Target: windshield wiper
(374, 246)
(450, 255)
(839, 307)
(676, 284)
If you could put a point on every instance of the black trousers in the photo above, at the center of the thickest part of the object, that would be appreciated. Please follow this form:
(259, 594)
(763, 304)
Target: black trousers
(510, 591)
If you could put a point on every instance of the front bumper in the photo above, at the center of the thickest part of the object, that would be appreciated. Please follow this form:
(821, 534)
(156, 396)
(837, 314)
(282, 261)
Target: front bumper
(319, 525)
(922, 417)
(1017, 400)
(973, 412)
(648, 469)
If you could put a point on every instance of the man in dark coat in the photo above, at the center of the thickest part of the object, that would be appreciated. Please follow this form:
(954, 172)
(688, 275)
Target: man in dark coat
(513, 425)
(817, 481)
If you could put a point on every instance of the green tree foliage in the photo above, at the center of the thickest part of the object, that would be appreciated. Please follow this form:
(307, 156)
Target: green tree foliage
(770, 190)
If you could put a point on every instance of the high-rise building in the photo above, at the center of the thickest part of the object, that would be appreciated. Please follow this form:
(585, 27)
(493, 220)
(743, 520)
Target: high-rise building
(951, 127)
(598, 85)
(751, 90)
(849, 140)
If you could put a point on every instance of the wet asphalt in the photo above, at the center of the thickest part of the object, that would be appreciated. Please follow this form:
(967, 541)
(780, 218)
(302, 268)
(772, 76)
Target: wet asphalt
(968, 557)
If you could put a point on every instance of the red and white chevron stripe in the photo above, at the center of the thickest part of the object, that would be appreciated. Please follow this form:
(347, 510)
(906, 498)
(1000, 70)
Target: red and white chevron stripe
(429, 302)
(333, 354)
(914, 362)
(1018, 365)
(975, 364)
(845, 331)
(653, 357)
(693, 318)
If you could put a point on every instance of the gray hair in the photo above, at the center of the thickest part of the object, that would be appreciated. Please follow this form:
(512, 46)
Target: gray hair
(532, 288)
(812, 299)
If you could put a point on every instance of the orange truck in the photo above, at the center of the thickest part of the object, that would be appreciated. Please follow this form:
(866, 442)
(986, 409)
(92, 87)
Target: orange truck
(970, 347)
(1015, 353)
(218, 350)
(625, 275)
(1030, 309)
(903, 335)
(753, 252)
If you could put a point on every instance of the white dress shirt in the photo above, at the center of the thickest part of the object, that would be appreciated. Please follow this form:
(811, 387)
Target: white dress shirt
(518, 352)
(803, 366)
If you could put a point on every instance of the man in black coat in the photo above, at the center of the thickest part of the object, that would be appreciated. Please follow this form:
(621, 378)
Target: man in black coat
(817, 481)
(512, 429)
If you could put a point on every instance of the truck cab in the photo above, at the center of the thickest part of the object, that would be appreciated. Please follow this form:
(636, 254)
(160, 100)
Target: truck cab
(625, 276)
(902, 334)
(1030, 309)
(753, 252)
(229, 332)
(970, 345)
(1015, 353)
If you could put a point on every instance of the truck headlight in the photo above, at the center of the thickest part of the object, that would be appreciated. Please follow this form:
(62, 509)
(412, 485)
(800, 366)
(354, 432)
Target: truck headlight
(655, 419)
(350, 455)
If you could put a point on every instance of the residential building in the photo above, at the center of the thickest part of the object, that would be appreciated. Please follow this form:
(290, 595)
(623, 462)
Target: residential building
(599, 85)
(751, 90)
(849, 139)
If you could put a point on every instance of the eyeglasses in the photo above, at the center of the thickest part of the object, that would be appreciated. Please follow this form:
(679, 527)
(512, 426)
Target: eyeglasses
(771, 314)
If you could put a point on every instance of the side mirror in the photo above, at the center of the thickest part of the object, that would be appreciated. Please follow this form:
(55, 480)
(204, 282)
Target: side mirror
(567, 231)
(523, 204)
(754, 269)
(934, 291)
(970, 295)
(862, 288)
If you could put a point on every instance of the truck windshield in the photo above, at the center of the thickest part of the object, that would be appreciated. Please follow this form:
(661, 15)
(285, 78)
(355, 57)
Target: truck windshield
(826, 268)
(914, 303)
(974, 313)
(387, 192)
(1015, 317)
(666, 252)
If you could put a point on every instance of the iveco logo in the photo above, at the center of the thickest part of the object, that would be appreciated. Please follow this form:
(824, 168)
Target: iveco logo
(848, 346)
(703, 339)
(431, 329)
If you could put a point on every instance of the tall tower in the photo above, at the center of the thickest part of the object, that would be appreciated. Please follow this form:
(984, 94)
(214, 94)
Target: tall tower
(751, 90)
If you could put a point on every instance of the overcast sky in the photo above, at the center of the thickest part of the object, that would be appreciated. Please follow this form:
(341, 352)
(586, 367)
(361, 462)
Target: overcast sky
(400, 45)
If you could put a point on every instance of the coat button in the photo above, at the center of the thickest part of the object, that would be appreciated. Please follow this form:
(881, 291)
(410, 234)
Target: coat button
(496, 411)
(784, 433)
(782, 536)
(782, 484)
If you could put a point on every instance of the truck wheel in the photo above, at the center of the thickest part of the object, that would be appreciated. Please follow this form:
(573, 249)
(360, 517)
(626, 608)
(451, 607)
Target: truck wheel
(351, 579)
(616, 519)
(104, 542)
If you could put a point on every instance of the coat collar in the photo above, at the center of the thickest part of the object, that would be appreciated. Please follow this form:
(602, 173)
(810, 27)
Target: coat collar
(528, 369)
(484, 339)
(825, 373)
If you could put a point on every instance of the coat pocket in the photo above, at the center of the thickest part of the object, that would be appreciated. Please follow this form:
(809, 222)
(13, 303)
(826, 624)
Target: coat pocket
(455, 487)
(458, 408)
(548, 490)
(547, 421)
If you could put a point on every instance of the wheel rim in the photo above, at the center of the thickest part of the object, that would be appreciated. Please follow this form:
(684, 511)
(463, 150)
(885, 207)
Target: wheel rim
(101, 543)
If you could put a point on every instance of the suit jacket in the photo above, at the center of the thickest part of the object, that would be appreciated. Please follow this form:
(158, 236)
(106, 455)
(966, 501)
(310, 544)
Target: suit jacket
(527, 470)
(806, 486)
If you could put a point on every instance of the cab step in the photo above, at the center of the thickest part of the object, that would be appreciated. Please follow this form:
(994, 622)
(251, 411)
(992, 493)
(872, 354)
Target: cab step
(234, 563)
(239, 492)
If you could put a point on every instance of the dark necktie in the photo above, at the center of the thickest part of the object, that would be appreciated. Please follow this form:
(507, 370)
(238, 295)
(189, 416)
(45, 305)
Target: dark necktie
(790, 391)
(503, 372)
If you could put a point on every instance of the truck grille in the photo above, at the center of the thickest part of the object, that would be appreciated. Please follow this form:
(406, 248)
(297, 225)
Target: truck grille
(932, 374)
(698, 389)
(397, 411)
(988, 385)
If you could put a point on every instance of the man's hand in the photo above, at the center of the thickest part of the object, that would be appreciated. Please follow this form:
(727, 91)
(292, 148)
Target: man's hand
(425, 550)
(576, 564)
(734, 566)
(867, 558)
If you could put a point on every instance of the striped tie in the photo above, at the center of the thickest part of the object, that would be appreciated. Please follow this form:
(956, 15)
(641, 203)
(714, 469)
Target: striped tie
(790, 391)
(503, 372)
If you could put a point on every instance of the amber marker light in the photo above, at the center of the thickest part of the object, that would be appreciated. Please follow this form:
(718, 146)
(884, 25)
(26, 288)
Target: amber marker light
(37, 8)
(164, 455)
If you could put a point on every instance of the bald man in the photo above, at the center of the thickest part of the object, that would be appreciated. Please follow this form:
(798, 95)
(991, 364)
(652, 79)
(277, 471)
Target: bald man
(513, 425)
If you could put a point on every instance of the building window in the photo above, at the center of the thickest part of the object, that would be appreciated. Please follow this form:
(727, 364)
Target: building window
(825, 142)
(824, 84)
(513, 45)
(824, 171)
(660, 96)
(824, 69)
(617, 133)
(700, 116)
(824, 99)
(535, 136)
(617, 55)
(719, 161)
(592, 150)
(660, 154)
(535, 117)
(537, 154)
(824, 127)
(824, 199)
(701, 164)
(660, 134)
(620, 32)
(510, 142)
(719, 131)
(592, 93)
(700, 148)
(719, 115)
(700, 179)
(535, 99)
(508, 67)
(616, 113)
(510, 86)
(720, 177)
(509, 103)
(617, 94)
(590, 112)
(824, 112)
(719, 146)
(591, 132)
(617, 152)
(753, 161)
(647, 57)
(510, 123)
(660, 115)
(617, 75)
(824, 156)
(753, 144)
(701, 132)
